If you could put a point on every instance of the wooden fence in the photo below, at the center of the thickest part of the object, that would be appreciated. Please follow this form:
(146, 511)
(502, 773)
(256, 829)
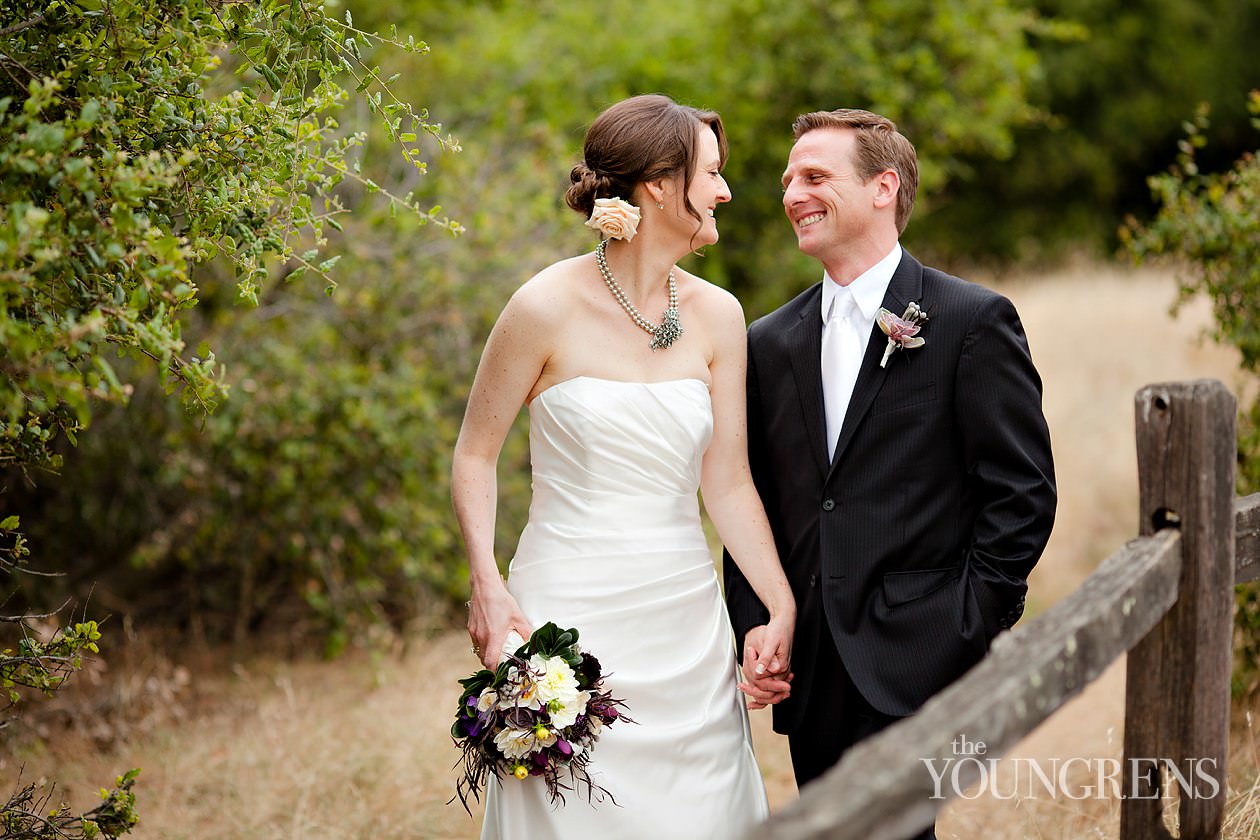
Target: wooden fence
(1165, 598)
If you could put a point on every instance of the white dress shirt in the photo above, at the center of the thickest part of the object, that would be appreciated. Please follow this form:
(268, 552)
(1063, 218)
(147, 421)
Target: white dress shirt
(844, 341)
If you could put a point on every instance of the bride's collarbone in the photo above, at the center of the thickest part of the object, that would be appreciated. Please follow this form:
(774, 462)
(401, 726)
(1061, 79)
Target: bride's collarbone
(602, 343)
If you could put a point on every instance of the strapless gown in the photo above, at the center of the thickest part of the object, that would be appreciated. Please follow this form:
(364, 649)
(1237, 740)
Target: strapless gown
(614, 548)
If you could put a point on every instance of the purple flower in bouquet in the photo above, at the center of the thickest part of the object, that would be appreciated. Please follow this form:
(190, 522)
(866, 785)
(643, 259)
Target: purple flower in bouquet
(589, 669)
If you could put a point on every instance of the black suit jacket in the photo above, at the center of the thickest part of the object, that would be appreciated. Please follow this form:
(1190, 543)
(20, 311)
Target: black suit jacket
(914, 544)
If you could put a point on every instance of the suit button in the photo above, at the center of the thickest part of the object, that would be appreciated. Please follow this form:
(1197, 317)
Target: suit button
(829, 504)
(813, 581)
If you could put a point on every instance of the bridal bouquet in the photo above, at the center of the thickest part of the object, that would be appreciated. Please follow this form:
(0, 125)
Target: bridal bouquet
(538, 714)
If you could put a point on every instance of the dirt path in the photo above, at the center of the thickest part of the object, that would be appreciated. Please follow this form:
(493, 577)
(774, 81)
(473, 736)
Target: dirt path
(360, 748)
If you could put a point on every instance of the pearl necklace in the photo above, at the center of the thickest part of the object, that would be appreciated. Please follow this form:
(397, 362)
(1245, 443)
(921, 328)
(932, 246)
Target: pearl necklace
(670, 328)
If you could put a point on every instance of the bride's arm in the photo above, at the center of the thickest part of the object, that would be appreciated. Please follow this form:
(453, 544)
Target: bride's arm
(509, 367)
(730, 497)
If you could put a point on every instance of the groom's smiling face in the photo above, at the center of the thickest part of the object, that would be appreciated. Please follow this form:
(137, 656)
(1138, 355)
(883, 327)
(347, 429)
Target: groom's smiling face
(825, 200)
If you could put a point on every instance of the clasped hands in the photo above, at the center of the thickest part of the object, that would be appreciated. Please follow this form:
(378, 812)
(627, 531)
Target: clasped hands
(767, 665)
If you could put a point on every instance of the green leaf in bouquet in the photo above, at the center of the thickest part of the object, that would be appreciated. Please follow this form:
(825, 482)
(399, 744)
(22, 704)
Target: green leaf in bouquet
(550, 640)
(477, 683)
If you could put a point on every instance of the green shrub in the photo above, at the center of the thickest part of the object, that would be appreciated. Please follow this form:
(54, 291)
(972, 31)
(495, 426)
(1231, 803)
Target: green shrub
(1208, 223)
(138, 140)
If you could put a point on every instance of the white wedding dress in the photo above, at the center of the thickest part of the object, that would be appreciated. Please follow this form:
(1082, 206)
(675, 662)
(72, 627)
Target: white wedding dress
(614, 548)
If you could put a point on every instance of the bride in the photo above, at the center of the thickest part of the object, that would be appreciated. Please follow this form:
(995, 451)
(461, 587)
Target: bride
(630, 413)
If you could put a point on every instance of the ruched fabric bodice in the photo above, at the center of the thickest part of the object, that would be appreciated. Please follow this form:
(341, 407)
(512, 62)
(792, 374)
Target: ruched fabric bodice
(602, 439)
(617, 460)
(614, 547)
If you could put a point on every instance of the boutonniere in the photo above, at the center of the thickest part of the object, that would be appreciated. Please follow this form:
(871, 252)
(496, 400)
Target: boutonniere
(903, 332)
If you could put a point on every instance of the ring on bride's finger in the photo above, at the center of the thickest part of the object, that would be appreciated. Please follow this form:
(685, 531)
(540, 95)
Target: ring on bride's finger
(476, 650)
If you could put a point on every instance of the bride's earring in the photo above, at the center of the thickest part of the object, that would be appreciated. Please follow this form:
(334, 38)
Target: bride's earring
(660, 205)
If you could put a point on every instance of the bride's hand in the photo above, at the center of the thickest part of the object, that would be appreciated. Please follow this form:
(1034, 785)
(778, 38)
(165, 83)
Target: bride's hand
(771, 647)
(492, 615)
(764, 650)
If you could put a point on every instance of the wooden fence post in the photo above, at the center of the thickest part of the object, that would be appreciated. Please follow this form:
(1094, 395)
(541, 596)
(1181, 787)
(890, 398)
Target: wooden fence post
(1177, 691)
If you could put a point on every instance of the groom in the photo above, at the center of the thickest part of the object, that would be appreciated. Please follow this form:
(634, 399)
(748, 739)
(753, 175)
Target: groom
(910, 487)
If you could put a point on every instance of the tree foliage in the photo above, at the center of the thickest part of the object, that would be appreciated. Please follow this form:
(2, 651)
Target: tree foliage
(140, 140)
(128, 155)
(1112, 93)
(1207, 222)
(319, 490)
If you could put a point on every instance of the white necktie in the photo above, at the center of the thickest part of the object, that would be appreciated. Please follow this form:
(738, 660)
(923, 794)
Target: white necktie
(842, 348)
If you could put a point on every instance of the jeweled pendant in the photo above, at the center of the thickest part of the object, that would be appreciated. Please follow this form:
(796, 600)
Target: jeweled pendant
(668, 332)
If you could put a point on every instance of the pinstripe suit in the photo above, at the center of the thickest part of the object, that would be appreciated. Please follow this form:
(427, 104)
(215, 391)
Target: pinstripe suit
(910, 549)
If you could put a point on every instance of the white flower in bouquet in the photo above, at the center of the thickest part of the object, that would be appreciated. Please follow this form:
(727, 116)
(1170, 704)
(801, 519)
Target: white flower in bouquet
(545, 737)
(564, 715)
(556, 680)
(516, 743)
(522, 690)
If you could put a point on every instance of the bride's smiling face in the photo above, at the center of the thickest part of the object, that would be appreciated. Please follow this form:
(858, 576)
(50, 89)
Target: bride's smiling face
(708, 188)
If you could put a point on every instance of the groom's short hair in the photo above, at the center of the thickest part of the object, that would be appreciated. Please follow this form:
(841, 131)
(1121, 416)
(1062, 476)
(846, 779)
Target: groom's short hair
(879, 147)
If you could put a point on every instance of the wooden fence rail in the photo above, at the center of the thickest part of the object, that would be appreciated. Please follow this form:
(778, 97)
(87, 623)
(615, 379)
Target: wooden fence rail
(1247, 545)
(1165, 598)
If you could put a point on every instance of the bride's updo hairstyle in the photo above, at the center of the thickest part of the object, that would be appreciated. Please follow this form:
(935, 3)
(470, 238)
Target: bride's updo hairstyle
(643, 138)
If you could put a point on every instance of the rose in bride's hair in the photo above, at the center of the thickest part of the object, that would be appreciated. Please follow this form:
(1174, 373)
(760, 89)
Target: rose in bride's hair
(614, 218)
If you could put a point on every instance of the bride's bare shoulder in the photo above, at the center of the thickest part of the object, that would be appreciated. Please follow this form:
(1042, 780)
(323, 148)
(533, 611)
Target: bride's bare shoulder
(547, 297)
(717, 306)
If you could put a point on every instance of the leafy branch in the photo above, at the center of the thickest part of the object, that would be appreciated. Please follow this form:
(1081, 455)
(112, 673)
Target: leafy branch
(152, 139)
(27, 815)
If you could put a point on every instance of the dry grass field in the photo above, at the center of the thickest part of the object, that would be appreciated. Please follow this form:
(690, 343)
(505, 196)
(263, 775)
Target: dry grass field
(358, 748)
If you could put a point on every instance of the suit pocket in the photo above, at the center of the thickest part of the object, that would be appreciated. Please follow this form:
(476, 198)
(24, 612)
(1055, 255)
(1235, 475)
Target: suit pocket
(904, 399)
(1001, 603)
(903, 587)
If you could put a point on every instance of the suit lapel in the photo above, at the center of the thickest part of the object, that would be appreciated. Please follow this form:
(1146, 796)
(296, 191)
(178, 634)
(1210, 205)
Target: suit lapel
(906, 285)
(805, 351)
